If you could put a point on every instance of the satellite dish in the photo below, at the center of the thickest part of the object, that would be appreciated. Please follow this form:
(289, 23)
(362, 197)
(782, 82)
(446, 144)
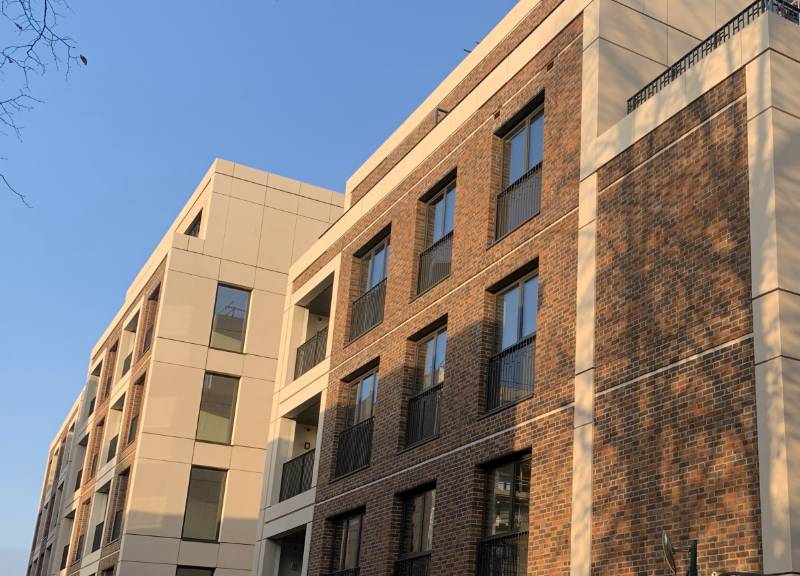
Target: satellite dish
(669, 551)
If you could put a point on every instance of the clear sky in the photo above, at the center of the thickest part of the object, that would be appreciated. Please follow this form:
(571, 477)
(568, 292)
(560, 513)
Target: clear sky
(305, 88)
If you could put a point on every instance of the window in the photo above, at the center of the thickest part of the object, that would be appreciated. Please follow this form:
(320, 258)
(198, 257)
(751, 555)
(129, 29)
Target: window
(417, 532)
(432, 352)
(194, 228)
(204, 504)
(64, 558)
(119, 507)
(230, 318)
(192, 571)
(435, 259)
(217, 407)
(367, 310)
(504, 549)
(374, 265)
(365, 396)
(423, 407)
(135, 409)
(520, 197)
(511, 370)
(347, 543)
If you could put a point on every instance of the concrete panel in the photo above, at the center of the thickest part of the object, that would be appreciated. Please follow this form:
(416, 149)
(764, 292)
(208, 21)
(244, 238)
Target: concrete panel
(633, 30)
(240, 511)
(252, 413)
(763, 227)
(176, 352)
(283, 183)
(789, 324)
(790, 371)
(679, 44)
(727, 9)
(786, 140)
(237, 274)
(151, 549)
(159, 447)
(250, 191)
(271, 281)
(187, 305)
(216, 223)
(156, 506)
(307, 231)
(313, 209)
(192, 263)
(581, 532)
(277, 237)
(263, 329)
(173, 400)
(145, 569)
(232, 572)
(584, 398)
(198, 554)
(584, 328)
(236, 556)
(654, 8)
(319, 194)
(243, 232)
(251, 174)
(766, 329)
(692, 17)
(283, 201)
(222, 184)
(225, 362)
(211, 455)
(587, 201)
(249, 459)
(259, 367)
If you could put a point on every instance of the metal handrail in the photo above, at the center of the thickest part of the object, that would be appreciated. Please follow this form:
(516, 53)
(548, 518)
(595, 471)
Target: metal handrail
(355, 448)
(788, 9)
(296, 475)
(423, 416)
(346, 572)
(435, 263)
(511, 373)
(519, 202)
(418, 565)
(503, 555)
(367, 310)
(310, 353)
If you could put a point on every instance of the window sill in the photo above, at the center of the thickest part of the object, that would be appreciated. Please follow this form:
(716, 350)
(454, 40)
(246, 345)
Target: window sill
(499, 409)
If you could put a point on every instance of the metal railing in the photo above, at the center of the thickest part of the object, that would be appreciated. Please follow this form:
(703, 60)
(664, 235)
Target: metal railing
(505, 555)
(310, 353)
(355, 448)
(435, 263)
(97, 540)
(511, 374)
(296, 475)
(519, 202)
(346, 572)
(788, 9)
(416, 566)
(423, 416)
(368, 310)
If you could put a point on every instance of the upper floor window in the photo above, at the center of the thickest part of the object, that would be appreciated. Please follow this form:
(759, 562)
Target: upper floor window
(511, 370)
(367, 310)
(417, 533)
(355, 442)
(204, 504)
(217, 408)
(347, 544)
(365, 397)
(194, 228)
(435, 260)
(520, 198)
(423, 407)
(230, 318)
(505, 546)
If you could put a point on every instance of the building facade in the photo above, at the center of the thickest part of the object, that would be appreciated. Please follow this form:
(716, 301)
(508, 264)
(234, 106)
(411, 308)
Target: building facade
(559, 314)
(159, 466)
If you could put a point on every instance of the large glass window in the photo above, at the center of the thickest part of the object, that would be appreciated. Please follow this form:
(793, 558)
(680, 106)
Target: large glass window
(523, 147)
(508, 497)
(432, 353)
(217, 408)
(517, 310)
(204, 504)
(375, 263)
(366, 396)
(230, 318)
(441, 214)
(347, 542)
(417, 530)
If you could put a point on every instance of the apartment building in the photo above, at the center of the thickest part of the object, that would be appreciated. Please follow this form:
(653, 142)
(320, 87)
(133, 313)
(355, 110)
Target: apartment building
(158, 468)
(560, 312)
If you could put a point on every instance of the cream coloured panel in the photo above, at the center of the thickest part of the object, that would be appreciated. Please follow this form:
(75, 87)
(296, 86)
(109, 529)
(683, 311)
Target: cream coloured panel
(173, 400)
(242, 232)
(263, 326)
(240, 511)
(198, 553)
(252, 412)
(157, 498)
(236, 556)
(633, 30)
(150, 549)
(277, 234)
(306, 233)
(786, 134)
(187, 304)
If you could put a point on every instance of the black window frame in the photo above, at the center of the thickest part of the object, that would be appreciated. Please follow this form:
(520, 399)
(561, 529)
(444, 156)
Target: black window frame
(341, 540)
(407, 548)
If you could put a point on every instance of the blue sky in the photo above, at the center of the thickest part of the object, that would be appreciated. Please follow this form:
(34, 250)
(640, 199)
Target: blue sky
(299, 87)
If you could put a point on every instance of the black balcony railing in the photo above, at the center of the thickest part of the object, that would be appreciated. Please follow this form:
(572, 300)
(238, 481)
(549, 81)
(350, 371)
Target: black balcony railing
(511, 374)
(311, 352)
(355, 448)
(296, 475)
(423, 416)
(98, 536)
(504, 555)
(347, 572)
(788, 9)
(112, 448)
(520, 202)
(435, 263)
(368, 310)
(416, 566)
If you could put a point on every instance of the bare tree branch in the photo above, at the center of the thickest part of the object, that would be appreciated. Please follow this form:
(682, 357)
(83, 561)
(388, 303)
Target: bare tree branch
(36, 44)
